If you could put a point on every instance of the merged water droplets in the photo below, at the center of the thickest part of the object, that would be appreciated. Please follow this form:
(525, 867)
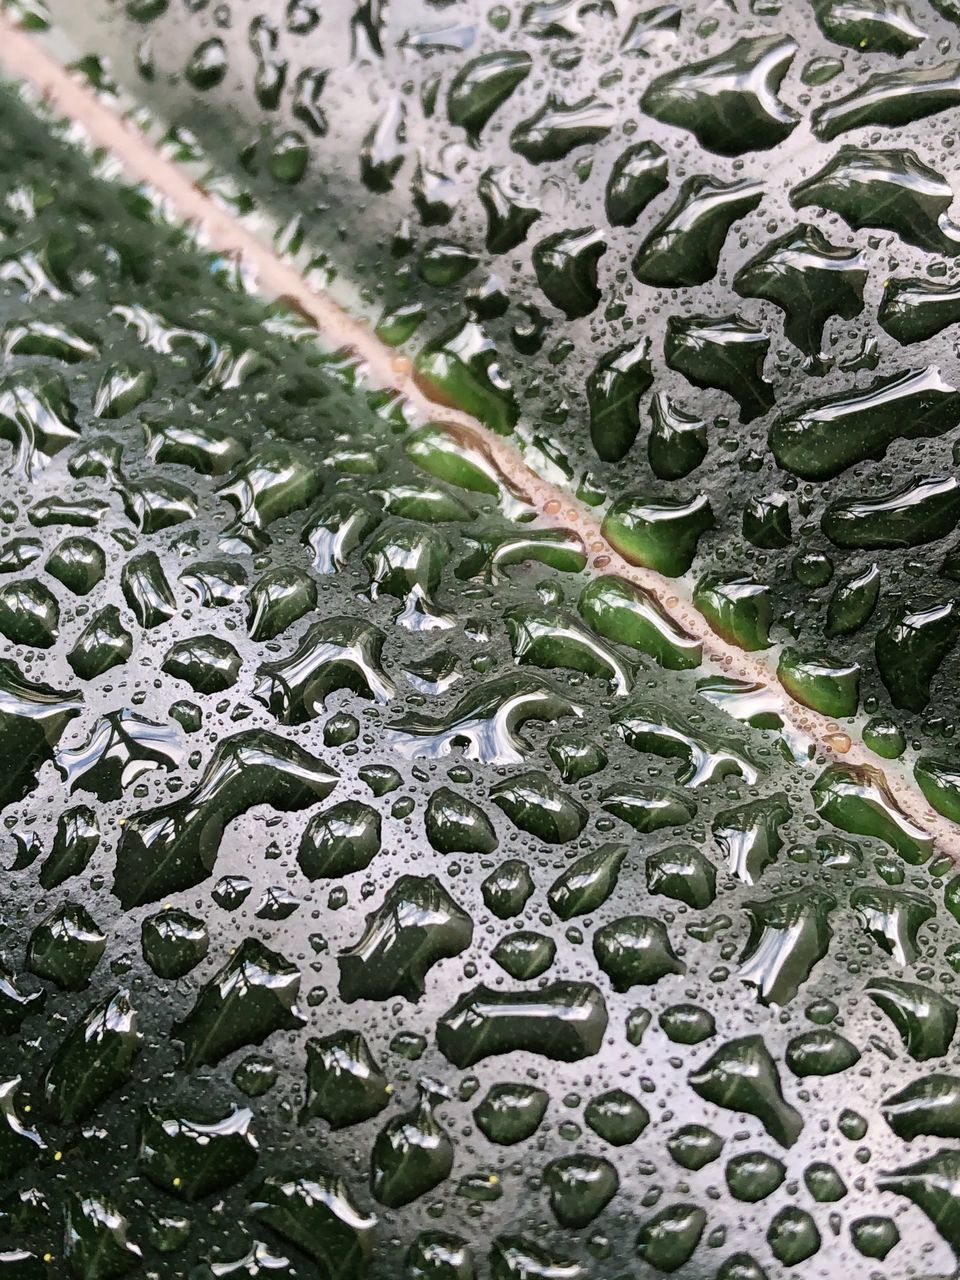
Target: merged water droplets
(412, 1153)
(123, 748)
(417, 925)
(561, 126)
(192, 1158)
(252, 996)
(564, 1021)
(743, 1076)
(345, 1086)
(316, 1214)
(183, 838)
(482, 85)
(94, 1058)
(684, 247)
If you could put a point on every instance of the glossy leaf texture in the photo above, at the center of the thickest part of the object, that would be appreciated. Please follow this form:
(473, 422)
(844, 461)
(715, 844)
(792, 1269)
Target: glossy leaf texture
(481, 924)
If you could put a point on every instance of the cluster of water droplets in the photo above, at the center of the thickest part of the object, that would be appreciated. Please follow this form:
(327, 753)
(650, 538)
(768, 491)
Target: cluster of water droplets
(699, 257)
(386, 893)
(570, 857)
